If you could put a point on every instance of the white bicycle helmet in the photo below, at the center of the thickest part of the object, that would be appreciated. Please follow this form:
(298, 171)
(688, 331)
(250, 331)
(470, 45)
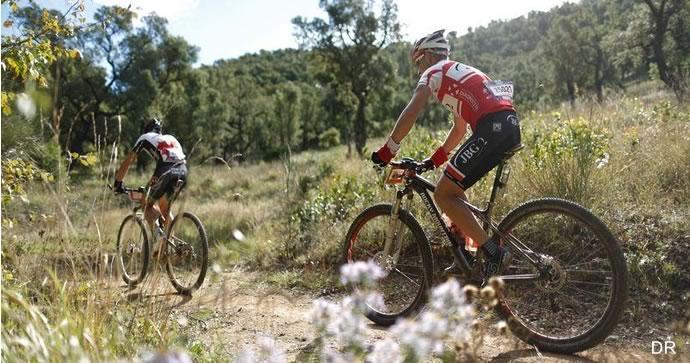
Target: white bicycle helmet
(435, 43)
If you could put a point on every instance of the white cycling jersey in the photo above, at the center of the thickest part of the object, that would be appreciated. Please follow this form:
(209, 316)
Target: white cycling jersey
(162, 148)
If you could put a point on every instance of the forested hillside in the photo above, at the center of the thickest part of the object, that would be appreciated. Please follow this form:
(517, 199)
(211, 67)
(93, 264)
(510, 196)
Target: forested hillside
(112, 75)
(278, 147)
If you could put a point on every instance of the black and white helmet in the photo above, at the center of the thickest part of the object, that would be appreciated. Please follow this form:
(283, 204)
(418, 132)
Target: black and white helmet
(435, 43)
(151, 125)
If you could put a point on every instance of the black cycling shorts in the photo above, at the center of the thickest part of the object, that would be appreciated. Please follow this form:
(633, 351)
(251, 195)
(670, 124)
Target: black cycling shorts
(166, 177)
(496, 134)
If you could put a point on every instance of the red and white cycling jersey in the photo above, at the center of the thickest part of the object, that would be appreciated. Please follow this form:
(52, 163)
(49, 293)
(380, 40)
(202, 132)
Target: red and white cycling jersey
(162, 148)
(466, 91)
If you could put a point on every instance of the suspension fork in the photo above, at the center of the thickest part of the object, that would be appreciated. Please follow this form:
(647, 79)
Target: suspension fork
(393, 244)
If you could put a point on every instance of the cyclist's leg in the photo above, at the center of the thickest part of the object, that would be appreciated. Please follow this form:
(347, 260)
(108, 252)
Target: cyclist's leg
(170, 191)
(494, 135)
(164, 205)
(151, 210)
(447, 197)
(158, 187)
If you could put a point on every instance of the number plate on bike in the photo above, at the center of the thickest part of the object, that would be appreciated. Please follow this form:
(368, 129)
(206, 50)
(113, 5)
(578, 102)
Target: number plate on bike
(136, 196)
(395, 176)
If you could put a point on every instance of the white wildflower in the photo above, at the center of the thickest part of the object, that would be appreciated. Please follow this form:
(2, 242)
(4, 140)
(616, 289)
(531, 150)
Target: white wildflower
(267, 352)
(350, 330)
(449, 316)
(323, 315)
(374, 300)
(386, 350)
(361, 273)
(170, 357)
(331, 356)
(603, 161)
(424, 336)
(343, 321)
(246, 356)
(447, 297)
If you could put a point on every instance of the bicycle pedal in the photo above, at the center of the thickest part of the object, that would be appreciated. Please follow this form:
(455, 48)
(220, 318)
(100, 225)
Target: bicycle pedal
(452, 270)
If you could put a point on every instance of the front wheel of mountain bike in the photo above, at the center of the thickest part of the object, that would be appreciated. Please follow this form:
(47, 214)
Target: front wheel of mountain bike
(132, 250)
(581, 290)
(408, 272)
(186, 253)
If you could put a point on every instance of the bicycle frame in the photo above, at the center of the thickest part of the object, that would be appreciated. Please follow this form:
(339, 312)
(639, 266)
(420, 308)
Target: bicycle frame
(414, 182)
(138, 196)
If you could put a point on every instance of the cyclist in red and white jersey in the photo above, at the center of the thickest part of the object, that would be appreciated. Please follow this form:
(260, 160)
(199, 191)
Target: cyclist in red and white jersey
(476, 100)
(170, 167)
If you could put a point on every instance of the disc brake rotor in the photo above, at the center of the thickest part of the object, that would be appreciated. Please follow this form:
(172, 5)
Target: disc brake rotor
(555, 277)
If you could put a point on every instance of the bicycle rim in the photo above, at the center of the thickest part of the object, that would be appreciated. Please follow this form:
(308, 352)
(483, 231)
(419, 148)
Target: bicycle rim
(404, 287)
(187, 253)
(579, 301)
(132, 250)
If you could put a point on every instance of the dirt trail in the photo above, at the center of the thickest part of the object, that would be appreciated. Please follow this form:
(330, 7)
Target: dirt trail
(236, 309)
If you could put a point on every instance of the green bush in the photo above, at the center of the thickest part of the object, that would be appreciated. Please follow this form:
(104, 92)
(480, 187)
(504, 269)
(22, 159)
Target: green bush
(17, 173)
(562, 161)
(336, 202)
(329, 138)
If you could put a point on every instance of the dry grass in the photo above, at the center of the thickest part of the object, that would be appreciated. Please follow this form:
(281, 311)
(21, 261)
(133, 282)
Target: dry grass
(643, 194)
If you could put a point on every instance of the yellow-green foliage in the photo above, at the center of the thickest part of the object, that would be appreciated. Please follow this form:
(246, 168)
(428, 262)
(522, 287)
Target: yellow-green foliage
(289, 217)
(16, 174)
(562, 157)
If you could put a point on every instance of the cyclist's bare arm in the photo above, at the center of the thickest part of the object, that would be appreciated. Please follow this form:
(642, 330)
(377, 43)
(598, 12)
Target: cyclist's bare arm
(409, 115)
(455, 135)
(124, 167)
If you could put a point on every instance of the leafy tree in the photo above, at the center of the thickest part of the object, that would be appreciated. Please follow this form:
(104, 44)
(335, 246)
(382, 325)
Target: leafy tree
(660, 14)
(28, 53)
(287, 111)
(350, 42)
(591, 19)
(558, 48)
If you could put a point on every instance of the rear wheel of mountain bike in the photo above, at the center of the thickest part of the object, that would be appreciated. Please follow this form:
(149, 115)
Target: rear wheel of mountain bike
(580, 299)
(132, 250)
(404, 288)
(186, 253)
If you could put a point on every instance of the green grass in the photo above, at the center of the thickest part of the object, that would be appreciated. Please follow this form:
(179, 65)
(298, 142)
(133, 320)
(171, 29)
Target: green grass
(294, 213)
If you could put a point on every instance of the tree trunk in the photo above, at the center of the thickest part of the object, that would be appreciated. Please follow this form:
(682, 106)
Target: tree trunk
(571, 91)
(599, 80)
(660, 18)
(361, 124)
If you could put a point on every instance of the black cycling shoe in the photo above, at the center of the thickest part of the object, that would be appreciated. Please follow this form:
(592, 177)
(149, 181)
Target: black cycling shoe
(494, 265)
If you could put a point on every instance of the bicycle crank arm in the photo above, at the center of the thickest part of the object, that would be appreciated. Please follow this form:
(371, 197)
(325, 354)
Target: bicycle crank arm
(522, 278)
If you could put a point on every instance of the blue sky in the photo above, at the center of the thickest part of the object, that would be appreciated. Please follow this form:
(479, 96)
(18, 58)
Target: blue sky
(230, 28)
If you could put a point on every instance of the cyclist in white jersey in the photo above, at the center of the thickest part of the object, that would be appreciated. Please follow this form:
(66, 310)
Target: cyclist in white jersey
(170, 168)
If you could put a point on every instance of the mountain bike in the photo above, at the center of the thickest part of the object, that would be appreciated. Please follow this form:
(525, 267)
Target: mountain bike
(183, 247)
(565, 288)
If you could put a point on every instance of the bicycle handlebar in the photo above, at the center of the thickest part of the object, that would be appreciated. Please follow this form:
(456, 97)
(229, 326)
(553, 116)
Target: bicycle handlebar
(411, 164)
(128, 190)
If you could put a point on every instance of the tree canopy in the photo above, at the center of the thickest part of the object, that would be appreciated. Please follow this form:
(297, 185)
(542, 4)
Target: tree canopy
(92, 82)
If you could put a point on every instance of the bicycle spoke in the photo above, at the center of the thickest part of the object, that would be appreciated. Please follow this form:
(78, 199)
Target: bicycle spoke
(587, 257)
(588, 283)
(587, 292)
(577, 269)
(582, 263)
(406, 276)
